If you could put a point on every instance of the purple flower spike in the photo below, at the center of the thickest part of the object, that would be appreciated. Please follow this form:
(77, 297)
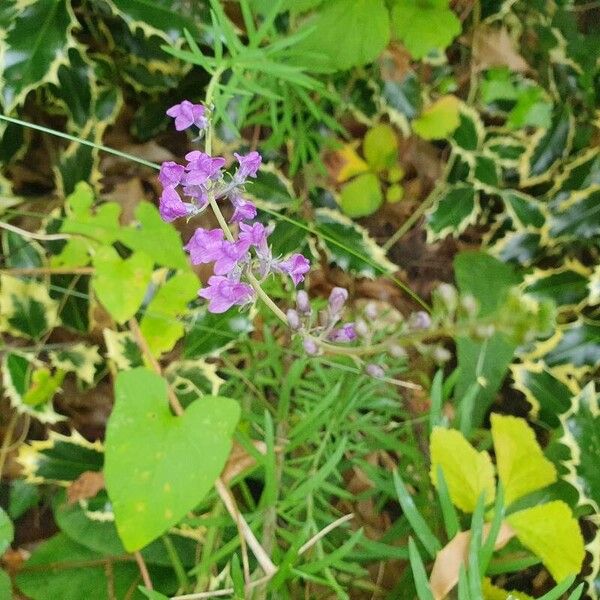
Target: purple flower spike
(202, 166)
(253, 235)
(171, 206)
(249, 165)
(231, 254)
(296, 266)
(244, 210)
(222, 293)
(205, 246)
(170, 174)
(345, 333)
(187, 114)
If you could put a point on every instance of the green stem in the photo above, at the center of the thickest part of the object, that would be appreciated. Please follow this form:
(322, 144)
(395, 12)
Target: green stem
(176, 563)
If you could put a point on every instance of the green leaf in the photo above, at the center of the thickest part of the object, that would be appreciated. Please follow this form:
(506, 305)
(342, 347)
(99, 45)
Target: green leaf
(532, 109)
(380, 147)
(525, 210)
(7, 531)
(42, 387)
(160, 324)
(581, 434)
(565, 287)
(121, 284)
(5, 586)
(439, 119)
(212, 333)
(579, 217)
(26, 309)
(579, 345)
(467, 473)
(424, 26)
(469, 134)
(157, 239)
(23, 496)
(36, 42)
(80, 359)
(552, 533)
(369, 22)
(522, 466)
(453, 211)
(362, 196)
(20, 253)
(419, 573)
(158, 467)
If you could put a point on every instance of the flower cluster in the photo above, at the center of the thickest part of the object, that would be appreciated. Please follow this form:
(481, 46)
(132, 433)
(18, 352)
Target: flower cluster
(237, 257)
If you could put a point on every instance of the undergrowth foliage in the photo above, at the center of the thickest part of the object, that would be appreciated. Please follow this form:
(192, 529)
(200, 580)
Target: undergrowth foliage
(279, 428)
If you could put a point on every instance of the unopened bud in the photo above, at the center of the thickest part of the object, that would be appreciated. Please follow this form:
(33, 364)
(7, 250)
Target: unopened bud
(448, 295)
(397, 351)
(345, 333)
(420, 320)
(303, 303)
(310, 347)
(337, 299)
(362, 328)
(441, 355)
(375, 371)
(371, 311)
(484, 332)
(293, 319)
(469, 305)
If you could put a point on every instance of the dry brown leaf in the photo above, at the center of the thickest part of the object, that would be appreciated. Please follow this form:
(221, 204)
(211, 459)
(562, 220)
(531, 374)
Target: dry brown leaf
(87, 485)
(239, 460)
(444, 575)
(493, 47)
(127, 194)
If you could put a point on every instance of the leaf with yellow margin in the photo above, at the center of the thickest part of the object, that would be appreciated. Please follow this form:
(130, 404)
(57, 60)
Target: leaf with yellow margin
(522, 466)
(467, 472)
(552, 533)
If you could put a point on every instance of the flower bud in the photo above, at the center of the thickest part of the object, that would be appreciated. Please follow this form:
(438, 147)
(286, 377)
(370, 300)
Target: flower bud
(303, 303)
(310, 347)
(371, 311)
(375, 371)
(397, 351)
(420, 320)
(484, 332)
(448, 295)
(337, 299)
(441, 355)
(362, 329)
(345, 333)
(469, 304)
(293, 319)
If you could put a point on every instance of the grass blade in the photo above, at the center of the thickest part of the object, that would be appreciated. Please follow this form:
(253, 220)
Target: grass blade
(419, 573)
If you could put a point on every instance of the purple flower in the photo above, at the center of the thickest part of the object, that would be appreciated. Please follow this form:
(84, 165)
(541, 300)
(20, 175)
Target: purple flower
(345, 333)
(170, 174)
(231, 254)
(198, 193)
(171, 206)
(253, 235)
(222, 293)
(249, 165)
(244, 210)
(205, 246)
(202, 167)
(187, 114)
(296, 266)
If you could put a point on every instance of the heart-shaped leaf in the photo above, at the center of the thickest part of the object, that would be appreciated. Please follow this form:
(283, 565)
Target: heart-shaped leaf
(158, 467)
(121, 284)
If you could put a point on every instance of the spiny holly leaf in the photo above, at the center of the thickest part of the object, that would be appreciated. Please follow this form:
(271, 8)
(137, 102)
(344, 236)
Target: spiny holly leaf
(80, 359)
(580, 173)
(439, 119)
(20, 253)
(161, 325)
(122, 349)
(552, 533)
(424, 26)
(579, 345)
(26, 309)
(157, 239)
(579, 217)
(158, 467)
(37, 42)
(362, 196)
(566, 286)
(193, 378)
(469, 134)
(453, 212)
(369, 22)
(525, 210)
(468, 473)
(121, 284)
(522, 466)
(581, 434)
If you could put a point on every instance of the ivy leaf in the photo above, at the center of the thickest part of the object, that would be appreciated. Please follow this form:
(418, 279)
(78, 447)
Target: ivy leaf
(36, 44)
(439, 119)
(424, 25)
(369, 22)
(121, 284)
(551, 532)
(467, 473)
(581, 434)
(453, 212)
(157, 239)
(362, 196)
(158, 467)
(160, 325)
(522, 466)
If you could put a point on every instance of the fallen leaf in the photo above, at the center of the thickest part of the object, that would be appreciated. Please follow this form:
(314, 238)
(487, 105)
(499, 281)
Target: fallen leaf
(240, 461)
(127, 194)
(87, 485)
(444, 575)
(345, 163)
(493, 47)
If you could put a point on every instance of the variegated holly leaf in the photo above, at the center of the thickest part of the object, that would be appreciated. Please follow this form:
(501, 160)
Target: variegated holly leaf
(578, 345)
(348, 245)
(453, 211)
(525, 210)
(26, 308)
(581, 173)
(566, 286)
(122, 349)
(578, 217)
(469, 134)
(521, 247)
(35, 44)
(485, 174)
(80, 359)
(272, 189)
(20, 253)
(192, 379)
(506, 150)
(581, 435)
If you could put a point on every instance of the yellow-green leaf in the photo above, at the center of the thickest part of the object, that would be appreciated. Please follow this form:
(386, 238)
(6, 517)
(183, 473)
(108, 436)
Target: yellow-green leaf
(522, 466)
(380, 147)
(439, 120)
(467, 472)
(362, 196)
(551, 532)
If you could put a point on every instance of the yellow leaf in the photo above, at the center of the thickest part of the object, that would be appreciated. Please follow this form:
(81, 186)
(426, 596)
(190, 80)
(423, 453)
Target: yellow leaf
(439, 120)
(522, 466)
(351, 163)
(467, 472)
(551, 532)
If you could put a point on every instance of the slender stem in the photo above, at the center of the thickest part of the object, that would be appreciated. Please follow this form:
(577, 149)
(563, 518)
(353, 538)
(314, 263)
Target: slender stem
(176, 562)
(6, 442)
(139, 559)
(49, 271)
(46, 237)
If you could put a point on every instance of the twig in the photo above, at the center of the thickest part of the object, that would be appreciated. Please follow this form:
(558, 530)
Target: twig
(45, 237)
(201, 595)
(143, 570)
(313, 540)
(6, 442)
